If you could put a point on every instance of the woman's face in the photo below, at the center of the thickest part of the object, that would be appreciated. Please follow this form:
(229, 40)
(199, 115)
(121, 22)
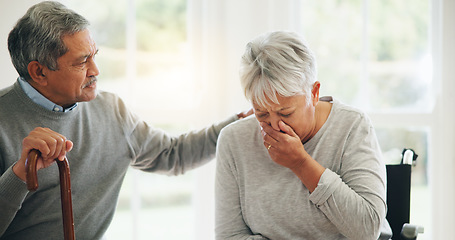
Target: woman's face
(297, 112)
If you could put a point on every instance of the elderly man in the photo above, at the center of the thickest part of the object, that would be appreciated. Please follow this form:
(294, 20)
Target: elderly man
(55, 107)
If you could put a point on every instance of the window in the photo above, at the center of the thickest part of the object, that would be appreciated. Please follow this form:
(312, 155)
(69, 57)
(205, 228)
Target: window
(376, 55)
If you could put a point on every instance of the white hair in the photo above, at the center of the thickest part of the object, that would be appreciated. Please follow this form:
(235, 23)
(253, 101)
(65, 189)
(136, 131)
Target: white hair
(277, 63)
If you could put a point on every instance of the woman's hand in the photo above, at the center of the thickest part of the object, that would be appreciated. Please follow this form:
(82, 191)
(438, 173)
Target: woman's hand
(284, 146)
(286, 149)
(52, 145)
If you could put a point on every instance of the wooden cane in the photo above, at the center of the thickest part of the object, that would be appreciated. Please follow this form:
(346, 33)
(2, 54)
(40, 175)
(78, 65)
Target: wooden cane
(65, 189)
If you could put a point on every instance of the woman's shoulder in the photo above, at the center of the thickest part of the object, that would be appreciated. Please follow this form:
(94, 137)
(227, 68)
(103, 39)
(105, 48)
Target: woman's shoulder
(245, 126)
(344, 110)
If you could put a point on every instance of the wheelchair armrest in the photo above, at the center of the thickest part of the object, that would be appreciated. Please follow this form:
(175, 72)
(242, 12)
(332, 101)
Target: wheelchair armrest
(410, 231)
(385, 236)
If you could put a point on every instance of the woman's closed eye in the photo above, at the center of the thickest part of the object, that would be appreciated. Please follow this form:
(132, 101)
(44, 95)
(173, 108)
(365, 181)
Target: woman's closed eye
(286, 114)
(262, 115)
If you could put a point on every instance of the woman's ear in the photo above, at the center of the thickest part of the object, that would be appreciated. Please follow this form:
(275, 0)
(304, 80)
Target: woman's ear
(315, 93)
(37, 72)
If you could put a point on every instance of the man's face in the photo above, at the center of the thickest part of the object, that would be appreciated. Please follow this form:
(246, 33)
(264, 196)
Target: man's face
(75, 79)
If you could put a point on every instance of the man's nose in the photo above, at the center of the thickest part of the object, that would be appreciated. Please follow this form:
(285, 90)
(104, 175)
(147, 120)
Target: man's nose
(94, 71)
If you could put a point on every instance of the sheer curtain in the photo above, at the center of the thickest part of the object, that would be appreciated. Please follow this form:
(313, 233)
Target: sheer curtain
(218, 32)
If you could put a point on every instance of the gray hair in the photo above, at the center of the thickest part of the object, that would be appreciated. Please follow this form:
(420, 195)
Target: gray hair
(38, 35)
(277, 63)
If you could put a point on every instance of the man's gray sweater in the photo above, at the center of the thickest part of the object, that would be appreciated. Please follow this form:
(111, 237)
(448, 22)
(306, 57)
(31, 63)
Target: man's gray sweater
(107, 139)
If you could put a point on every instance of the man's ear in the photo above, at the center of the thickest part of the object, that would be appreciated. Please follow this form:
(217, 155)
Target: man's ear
(315, 93)
(38, 72)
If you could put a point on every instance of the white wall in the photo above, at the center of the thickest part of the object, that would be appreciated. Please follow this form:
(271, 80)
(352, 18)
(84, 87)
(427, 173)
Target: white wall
(442, 168)
(10, 12)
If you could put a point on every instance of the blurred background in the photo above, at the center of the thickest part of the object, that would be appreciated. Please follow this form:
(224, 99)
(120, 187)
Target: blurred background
(175, 62)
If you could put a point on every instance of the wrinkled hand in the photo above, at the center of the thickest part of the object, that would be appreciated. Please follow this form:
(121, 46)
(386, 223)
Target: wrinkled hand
(52, 145)
(284, 146)
(245, 113)
(286, 149)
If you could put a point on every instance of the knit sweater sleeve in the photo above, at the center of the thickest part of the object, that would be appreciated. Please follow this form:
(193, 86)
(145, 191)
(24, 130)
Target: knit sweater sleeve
(12, 194)
(354, 197)
(154, 150)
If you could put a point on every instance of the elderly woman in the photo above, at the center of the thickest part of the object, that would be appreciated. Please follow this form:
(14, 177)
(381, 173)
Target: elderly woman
(304, 167)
